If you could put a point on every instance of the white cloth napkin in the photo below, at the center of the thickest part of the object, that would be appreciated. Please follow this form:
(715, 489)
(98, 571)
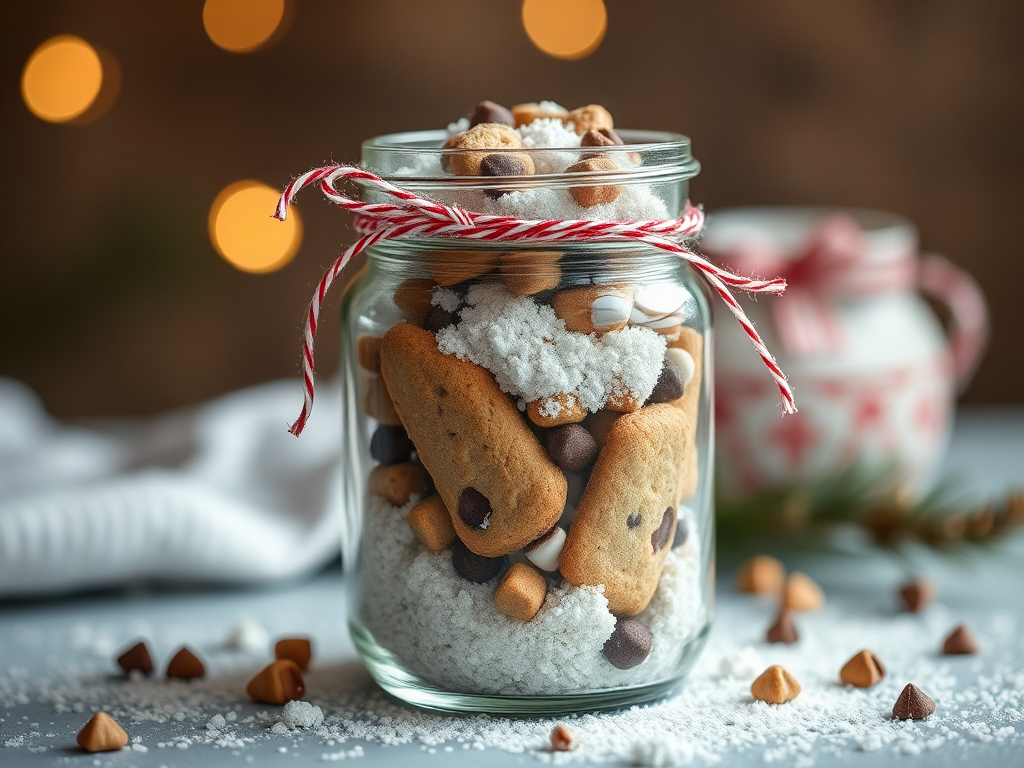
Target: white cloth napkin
(220, 492)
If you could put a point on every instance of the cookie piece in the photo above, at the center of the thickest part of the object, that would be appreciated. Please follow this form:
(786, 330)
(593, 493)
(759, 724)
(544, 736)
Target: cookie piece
(524, 114)
(590, 195)
(593, 308)
(626, 520)
(468, 434)
(432, 524)
(592, 117)
(529, 272)
(479, 142)
(556, 410)
(521, 592)
(398, 482)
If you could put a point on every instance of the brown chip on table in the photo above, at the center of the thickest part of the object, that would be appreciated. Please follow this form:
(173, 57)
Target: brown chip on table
(185, 665)
(298, 649)
(862, 671)
(960, 641)
(102, 734)
(801, 593)
(775, 686)
(136, 658)
(783, 630)
(917, 594)
(761, 575)
(277, 683)
(913, 704)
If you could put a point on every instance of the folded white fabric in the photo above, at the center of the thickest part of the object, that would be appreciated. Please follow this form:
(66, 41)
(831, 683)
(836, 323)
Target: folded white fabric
(220, 492)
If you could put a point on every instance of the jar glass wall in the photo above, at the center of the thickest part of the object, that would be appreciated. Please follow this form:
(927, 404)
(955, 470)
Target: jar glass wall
(528, 434)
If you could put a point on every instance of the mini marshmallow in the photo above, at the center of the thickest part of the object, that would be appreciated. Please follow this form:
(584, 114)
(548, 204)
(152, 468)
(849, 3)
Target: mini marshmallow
(684, 360)
(544, 554)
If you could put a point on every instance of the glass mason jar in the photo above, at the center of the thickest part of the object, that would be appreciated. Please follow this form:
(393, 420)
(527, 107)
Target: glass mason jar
(527, 432)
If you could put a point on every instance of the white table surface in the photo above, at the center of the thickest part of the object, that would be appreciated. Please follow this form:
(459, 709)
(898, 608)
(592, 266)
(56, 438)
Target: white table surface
(73, 642)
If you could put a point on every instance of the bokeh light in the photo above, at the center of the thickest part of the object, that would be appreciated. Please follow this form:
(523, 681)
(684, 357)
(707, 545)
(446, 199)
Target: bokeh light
(244, 233)
(62, 79)
(565, 29)
(241, 26)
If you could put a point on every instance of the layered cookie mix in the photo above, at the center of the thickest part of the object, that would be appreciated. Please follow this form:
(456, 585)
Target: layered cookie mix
(533, 429)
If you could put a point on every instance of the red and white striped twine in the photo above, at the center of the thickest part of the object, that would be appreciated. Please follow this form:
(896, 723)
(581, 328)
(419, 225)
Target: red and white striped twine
(413, 216)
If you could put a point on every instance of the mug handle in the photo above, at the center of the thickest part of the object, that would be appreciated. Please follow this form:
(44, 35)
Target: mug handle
(968, 312)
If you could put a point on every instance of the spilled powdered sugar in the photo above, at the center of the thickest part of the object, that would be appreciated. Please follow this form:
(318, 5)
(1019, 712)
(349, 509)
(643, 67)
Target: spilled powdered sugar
(533, 357)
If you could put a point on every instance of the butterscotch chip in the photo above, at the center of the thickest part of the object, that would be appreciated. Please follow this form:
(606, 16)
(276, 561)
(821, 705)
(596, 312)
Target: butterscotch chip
(398, 482)
(591, 117)
(530, 272)
(623, 401)
(761, 575)
(484, 139)
(432, 524)
(593, 194)
(413, 297)
(368, 352)
(184, 665)
(600, 424)
(556, 410)
(136, 658)
(102, 734)
(378, 404)
(521, 592)
(592, 138)
(775, 685)
(298, 649)
(862, 671)
(960, 641)
(594, 308)
(563, 739)
(801, 593)
(783, 630)
(913, 704)
(524, 114)
(452, 267)
(917, 595)
(277, 683)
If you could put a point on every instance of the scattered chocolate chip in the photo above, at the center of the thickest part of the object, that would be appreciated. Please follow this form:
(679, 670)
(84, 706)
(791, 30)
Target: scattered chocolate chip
(776, 685)
(390, 445)
(185, 665)
(960, 641)
(438, 318)
(629, 644)
(917, 594)
(670, 384)
(136, 657)
(608, 133)
(663, 535)
(490, 112)
(500, 165)
(862, 671)
(571, 447)
(783, 630)
(473, 567)
(913, 704)
(633, 520)
(682, 533)
(474, 508)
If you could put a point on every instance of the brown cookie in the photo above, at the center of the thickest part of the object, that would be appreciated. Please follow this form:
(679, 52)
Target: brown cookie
(491, 472)
(485, 138)
(592, 117)
(524, 114)
(626, 520)
(589, 195)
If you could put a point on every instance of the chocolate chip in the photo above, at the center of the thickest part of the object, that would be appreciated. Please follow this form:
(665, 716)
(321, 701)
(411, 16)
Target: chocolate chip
(670, 384)
(960, 641)
(438, 318)
(913, 704)
(633, 520)
(663, 535)
(473, 567)
(629, 644)
(136, 657)
(783, 630)
(390, 445)
(682, 533)
(594, 138)
(917, 594)
(474, 508)
(500, 165)
(489, 112)
(571, 447)
(608, 133)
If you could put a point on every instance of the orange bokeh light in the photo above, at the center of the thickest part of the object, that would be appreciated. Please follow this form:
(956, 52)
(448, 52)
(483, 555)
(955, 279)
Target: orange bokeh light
(565, 29)
(241, 26)
(62, 79)
(244, 233)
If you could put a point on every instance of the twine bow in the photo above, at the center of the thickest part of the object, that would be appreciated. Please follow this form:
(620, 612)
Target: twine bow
(411, 216)
(833, 262)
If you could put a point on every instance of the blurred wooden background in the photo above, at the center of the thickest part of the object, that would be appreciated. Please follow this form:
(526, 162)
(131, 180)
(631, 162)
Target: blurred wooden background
(113, 301)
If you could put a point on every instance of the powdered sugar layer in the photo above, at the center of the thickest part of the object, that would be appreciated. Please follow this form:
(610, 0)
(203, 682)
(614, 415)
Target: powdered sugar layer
(447, 630)
(533, 357)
